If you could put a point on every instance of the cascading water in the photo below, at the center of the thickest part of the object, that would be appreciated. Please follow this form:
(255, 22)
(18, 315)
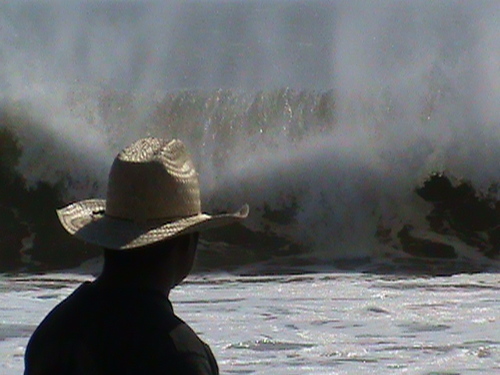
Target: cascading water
(328, 118)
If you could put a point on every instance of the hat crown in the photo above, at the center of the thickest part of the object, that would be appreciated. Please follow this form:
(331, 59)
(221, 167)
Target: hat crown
(153, 179)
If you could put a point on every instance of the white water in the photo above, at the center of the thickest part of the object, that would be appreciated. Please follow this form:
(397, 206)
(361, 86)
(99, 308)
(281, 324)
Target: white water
(317, 323)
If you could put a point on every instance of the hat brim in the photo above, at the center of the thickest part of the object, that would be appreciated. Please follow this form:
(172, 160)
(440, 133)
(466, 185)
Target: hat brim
(87, 221)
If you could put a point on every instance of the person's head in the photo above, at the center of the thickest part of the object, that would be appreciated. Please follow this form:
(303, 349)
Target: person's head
(168, 262)
(152, 206)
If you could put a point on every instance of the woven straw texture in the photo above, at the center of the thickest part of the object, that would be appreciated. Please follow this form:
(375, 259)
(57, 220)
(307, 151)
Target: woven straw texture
(153, 194)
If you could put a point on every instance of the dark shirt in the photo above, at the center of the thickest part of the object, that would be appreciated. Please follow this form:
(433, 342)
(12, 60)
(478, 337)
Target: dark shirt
(99, 331)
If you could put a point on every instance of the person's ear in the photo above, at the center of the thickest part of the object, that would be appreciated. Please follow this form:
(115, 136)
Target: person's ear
(193, 241)
(186, 243)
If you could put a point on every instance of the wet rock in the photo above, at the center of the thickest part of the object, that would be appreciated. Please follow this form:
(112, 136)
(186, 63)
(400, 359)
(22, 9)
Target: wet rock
(461, 211)
(420, 247)
(29, 212)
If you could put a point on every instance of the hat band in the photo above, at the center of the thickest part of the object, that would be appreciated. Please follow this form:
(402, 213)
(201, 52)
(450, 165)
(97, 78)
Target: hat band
(165, 220)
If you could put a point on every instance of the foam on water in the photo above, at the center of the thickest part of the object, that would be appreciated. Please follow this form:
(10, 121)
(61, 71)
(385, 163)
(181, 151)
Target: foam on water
(334, 323)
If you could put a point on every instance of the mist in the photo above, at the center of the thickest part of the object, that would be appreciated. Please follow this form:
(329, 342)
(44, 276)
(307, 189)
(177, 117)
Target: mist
(142, 45)
(418, 80)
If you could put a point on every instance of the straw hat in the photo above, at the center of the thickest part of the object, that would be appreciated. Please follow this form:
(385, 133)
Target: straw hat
(153, 194)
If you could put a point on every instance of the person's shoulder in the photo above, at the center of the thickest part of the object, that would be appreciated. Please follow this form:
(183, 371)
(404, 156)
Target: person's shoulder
(75, 303)
(193, 352)
(186, 340)
(66, 312)
(57, 325)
